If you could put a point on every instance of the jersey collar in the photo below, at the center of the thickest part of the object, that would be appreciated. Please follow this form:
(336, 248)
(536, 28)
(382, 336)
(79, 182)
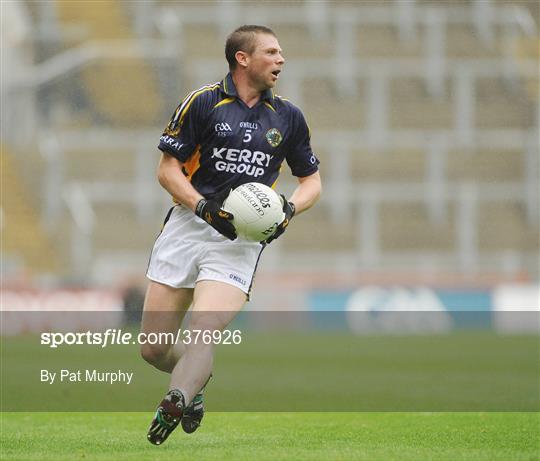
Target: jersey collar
(227, 86)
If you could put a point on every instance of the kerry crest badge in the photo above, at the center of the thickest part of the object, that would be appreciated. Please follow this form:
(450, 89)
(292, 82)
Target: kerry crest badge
(273, 136)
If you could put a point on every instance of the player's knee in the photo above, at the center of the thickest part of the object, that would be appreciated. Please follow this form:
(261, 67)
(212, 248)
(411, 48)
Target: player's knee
(154, 353)
(205, 326)
(206, 321)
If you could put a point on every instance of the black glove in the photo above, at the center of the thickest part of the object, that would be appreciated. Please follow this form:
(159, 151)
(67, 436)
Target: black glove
(213, 214)
(289, 210)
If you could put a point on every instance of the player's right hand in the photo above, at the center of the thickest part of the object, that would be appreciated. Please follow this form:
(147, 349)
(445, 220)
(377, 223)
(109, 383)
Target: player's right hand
(217, 217)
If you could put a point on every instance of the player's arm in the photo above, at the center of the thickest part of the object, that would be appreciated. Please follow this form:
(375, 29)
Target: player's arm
(172, 179)
(304, 197)
(307, 193)
(304, 165)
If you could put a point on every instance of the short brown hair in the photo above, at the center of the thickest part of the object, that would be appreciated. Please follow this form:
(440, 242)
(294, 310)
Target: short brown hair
(243, 39)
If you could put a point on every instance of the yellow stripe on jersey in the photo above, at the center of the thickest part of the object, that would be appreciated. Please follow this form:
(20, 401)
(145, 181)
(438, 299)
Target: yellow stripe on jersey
(267, 104)
(188, 98)
(173, 129)
(273, 186)
(193, 97)
(225, 101)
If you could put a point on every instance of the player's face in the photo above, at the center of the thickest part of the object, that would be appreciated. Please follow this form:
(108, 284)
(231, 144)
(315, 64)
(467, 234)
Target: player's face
(266, 62)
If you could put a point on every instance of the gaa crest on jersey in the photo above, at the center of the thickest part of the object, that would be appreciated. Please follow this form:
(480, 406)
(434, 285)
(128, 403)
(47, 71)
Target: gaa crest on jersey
(273, 136)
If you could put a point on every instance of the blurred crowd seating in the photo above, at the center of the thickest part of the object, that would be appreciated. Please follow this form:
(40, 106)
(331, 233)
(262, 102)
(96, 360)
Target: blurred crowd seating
(425, 120)
(24, 243)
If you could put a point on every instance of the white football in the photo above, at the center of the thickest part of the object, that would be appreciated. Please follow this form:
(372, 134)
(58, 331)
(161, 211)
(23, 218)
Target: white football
(257, 211)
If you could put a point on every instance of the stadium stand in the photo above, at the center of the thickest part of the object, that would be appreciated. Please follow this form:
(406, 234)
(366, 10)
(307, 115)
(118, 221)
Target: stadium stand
(529, 48)
(23, 238)
(113, 86)
(425, 118)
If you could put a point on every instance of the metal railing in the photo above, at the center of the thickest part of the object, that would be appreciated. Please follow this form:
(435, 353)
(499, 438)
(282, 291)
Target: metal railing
(324, 21)
(342, 192)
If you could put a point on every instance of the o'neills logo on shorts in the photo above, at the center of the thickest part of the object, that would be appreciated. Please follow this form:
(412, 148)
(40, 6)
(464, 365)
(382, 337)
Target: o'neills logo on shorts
(241, 161)
(237, 279)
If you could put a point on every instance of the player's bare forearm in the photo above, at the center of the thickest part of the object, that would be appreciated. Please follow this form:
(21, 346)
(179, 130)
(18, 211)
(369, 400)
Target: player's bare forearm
(307, 193)
(172, 179)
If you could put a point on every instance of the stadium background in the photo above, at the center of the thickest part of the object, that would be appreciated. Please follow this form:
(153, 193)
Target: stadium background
(425, 115)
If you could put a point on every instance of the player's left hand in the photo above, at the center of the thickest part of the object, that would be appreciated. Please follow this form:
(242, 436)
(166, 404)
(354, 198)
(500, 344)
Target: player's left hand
(289, 210)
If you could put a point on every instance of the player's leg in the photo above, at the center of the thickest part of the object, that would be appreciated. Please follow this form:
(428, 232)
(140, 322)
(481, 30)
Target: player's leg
(215, 304)
(194, 412)
(224, 280)
(164, 309)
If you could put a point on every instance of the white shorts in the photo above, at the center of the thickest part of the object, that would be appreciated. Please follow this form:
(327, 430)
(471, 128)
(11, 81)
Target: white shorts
(189, 250)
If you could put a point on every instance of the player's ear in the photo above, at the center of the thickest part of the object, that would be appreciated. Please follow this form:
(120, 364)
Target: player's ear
(241, 58)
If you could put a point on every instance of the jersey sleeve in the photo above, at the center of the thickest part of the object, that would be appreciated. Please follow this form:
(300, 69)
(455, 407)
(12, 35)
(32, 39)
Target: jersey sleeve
(300, 156)
(182, 135)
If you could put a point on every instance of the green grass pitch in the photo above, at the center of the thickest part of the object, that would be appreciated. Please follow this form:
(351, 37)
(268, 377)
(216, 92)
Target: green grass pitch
(276, 436)
(408, 376)
(291, 372)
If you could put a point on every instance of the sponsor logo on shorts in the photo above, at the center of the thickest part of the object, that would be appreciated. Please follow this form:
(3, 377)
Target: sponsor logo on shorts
(237, 279)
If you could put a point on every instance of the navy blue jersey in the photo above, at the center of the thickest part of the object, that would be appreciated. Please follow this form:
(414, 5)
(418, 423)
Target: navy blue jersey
(223, 143)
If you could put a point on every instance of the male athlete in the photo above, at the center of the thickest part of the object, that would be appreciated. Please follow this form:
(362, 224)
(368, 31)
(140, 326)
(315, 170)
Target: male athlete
(221, 136)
